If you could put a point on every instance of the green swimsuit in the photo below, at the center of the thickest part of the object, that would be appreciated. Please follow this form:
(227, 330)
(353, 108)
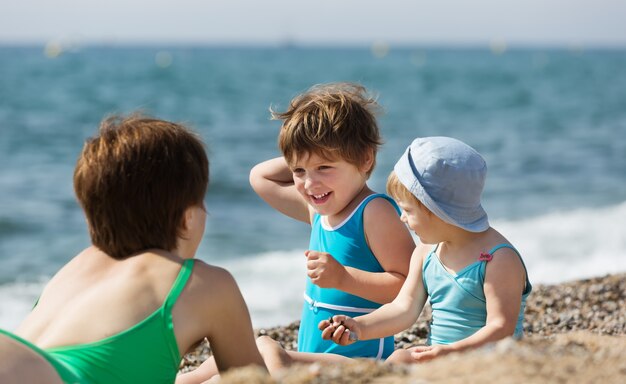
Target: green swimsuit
(66, 375)
(145, 353)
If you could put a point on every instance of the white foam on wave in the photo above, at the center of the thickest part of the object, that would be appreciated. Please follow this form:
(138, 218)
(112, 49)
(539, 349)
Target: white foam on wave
(556, 247)
(570, 245)
(17, 301)
(272, 285)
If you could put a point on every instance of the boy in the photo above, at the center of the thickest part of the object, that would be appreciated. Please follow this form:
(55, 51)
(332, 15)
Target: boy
(359, 249)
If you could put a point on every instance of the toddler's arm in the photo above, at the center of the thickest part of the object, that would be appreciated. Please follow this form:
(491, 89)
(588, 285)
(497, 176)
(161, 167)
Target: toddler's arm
(389, 319)
(272, 180)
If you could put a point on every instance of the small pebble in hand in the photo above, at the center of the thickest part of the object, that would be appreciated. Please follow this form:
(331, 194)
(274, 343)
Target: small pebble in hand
(351, 337)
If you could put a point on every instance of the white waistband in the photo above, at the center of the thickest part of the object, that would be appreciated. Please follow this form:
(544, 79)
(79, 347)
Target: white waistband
(313, 303)
(336, 307)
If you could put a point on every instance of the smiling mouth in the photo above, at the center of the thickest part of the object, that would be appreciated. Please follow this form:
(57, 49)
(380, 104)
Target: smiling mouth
(321, 198)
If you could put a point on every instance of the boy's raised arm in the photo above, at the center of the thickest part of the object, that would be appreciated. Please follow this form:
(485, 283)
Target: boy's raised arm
(272, 180)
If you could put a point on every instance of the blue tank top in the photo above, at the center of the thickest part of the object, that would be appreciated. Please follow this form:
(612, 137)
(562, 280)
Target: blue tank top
(459, 307)
(347, 244)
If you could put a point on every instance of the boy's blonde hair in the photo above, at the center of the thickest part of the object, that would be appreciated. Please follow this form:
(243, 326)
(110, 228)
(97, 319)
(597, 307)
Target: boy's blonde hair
(334, 121)
(398, 191)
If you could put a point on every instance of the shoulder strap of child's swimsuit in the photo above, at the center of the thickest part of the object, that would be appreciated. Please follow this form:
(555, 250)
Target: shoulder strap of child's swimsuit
(386, 197)
(488, 256)
(503, 245)
(357, 213)
(429, 256)
(426, 262)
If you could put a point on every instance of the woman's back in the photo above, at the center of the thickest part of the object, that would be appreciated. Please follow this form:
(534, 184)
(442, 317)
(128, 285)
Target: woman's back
(95, 296)
(119, 327)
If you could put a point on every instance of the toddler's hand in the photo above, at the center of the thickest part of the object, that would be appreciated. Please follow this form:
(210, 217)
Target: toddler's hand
(342, 330)
(323, 270)
(425, 353)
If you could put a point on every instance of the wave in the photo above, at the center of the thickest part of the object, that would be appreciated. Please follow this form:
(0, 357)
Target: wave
(272, 285)
(556, 247)
(18, 298)
(571, 245)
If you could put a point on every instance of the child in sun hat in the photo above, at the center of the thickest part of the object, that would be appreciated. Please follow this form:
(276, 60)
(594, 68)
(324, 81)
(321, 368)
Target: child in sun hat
(475, 279)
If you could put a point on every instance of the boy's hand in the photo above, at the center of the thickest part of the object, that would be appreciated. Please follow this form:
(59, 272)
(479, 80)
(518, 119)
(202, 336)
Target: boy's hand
(323, 270)
(342, 330)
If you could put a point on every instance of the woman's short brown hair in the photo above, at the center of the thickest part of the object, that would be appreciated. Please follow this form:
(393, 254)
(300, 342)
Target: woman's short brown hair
(135, 179)
(333, 121)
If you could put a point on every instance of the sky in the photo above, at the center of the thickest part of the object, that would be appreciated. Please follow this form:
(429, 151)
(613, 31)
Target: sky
(318, 22)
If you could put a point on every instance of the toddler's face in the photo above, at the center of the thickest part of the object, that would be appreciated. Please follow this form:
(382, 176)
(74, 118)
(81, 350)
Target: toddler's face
(415, 215)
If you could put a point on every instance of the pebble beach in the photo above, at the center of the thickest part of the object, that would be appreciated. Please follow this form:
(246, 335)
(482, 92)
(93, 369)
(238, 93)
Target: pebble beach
(575, 332)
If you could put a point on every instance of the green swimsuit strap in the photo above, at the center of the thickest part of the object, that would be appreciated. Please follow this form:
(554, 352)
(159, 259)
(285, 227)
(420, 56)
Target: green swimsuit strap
(170, 301)
(179, 285)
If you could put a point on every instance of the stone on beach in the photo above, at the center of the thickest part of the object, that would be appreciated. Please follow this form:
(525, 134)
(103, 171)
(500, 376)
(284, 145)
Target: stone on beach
(575, 332)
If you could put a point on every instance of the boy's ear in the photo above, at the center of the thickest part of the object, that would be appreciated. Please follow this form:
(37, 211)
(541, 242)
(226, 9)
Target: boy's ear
(369, 161)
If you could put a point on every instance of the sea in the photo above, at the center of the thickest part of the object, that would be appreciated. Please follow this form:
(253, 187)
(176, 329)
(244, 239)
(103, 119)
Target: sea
(551, 123)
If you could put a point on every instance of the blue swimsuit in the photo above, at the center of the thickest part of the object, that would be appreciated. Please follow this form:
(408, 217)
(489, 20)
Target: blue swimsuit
(459, 307)
(347, 244)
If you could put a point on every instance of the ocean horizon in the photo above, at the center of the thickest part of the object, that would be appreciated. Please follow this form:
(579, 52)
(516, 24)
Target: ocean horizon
(551, 124)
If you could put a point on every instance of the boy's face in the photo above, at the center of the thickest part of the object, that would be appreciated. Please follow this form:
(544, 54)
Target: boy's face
(327, 185)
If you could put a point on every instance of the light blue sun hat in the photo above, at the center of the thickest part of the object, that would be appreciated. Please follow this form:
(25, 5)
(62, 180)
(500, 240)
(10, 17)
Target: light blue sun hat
(447, 176)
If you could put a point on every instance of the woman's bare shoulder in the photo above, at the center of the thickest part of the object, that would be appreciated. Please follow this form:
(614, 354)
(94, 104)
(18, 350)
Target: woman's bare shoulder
(214, 283)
